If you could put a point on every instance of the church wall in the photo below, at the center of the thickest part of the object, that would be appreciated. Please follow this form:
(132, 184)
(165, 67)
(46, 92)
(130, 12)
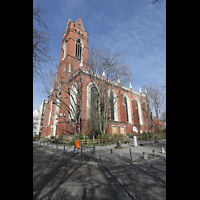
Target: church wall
(63, 127)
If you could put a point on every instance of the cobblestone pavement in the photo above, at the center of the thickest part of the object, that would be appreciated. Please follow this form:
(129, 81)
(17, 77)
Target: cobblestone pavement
(56, 177)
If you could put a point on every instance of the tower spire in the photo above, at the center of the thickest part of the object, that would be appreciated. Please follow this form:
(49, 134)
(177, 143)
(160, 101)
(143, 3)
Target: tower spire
(130, 86)
(118, 81)
(140, 89)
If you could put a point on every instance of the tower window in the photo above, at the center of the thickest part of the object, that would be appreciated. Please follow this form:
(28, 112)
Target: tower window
(78, 53)
(64, 50)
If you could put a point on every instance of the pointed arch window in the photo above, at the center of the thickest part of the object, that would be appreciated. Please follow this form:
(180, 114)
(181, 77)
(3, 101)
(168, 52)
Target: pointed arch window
(94, 98)
(125, 102)
(112, 117)
(113, 105)
(79, 49)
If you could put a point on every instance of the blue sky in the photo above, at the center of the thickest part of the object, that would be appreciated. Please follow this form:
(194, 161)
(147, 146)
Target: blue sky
(135, 27)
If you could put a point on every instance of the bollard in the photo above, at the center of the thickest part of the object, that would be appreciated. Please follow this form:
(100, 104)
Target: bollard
(130, 155)
(81, 148)
(64, 148)
(153, 152)
(135, 141)
(144, 156)
(110, 154)
(94, 152)
(74, 150)
(162, 150)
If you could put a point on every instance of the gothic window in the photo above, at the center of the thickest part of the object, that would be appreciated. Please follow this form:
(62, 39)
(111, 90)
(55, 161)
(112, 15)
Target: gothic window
(94, 99)
(111, 106)
(78, 53)
(125, 102)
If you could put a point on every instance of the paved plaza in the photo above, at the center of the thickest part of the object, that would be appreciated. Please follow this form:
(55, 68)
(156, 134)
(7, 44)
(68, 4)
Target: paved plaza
(56, 175)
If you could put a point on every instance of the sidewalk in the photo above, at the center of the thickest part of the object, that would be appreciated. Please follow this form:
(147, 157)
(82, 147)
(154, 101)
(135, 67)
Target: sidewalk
(123, 155)
(118, 155)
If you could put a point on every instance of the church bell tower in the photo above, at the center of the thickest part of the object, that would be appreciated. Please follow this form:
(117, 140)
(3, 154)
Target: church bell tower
(74, 50)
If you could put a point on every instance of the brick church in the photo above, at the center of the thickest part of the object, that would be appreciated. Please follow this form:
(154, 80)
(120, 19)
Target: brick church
(68, 109)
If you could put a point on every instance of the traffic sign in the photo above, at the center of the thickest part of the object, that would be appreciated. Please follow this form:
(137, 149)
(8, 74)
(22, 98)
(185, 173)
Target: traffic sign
(135, 129)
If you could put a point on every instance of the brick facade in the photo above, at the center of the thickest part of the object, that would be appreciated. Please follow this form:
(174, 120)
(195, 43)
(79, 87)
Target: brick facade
(74, 66)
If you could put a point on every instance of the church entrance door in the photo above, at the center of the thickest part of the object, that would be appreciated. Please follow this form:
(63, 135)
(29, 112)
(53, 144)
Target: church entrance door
(122, 130)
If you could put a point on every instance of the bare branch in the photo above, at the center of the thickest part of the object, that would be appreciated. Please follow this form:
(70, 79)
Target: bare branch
(41, 34)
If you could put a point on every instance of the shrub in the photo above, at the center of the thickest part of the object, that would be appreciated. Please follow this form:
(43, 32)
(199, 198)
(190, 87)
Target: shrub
(130, 135)
(72, 142)
(145, 135)
(80, 136)
(150, 135)
(36, 137)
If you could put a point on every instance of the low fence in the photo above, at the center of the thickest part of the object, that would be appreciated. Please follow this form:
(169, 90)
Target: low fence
(87, 151)
(83, 150)
(105, 141)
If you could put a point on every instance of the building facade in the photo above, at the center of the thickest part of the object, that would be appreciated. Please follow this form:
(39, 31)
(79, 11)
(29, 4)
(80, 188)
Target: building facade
(35, 121)
(68, 108)
(41, 116)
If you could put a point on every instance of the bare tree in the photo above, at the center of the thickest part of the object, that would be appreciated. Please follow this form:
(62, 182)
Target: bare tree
(66, 94)
(47, 82)
(105, 70)
(147, 110)
(41, 49)
(163, 115)
(156, 99)
(107, 67)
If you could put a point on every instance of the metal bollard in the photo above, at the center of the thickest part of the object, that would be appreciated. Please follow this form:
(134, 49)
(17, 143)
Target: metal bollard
(110, 154)
(130, 154)
(144, 156)
(153, 152)
(87, 151)
(81, 149)
(64, 148)
(94, 152)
